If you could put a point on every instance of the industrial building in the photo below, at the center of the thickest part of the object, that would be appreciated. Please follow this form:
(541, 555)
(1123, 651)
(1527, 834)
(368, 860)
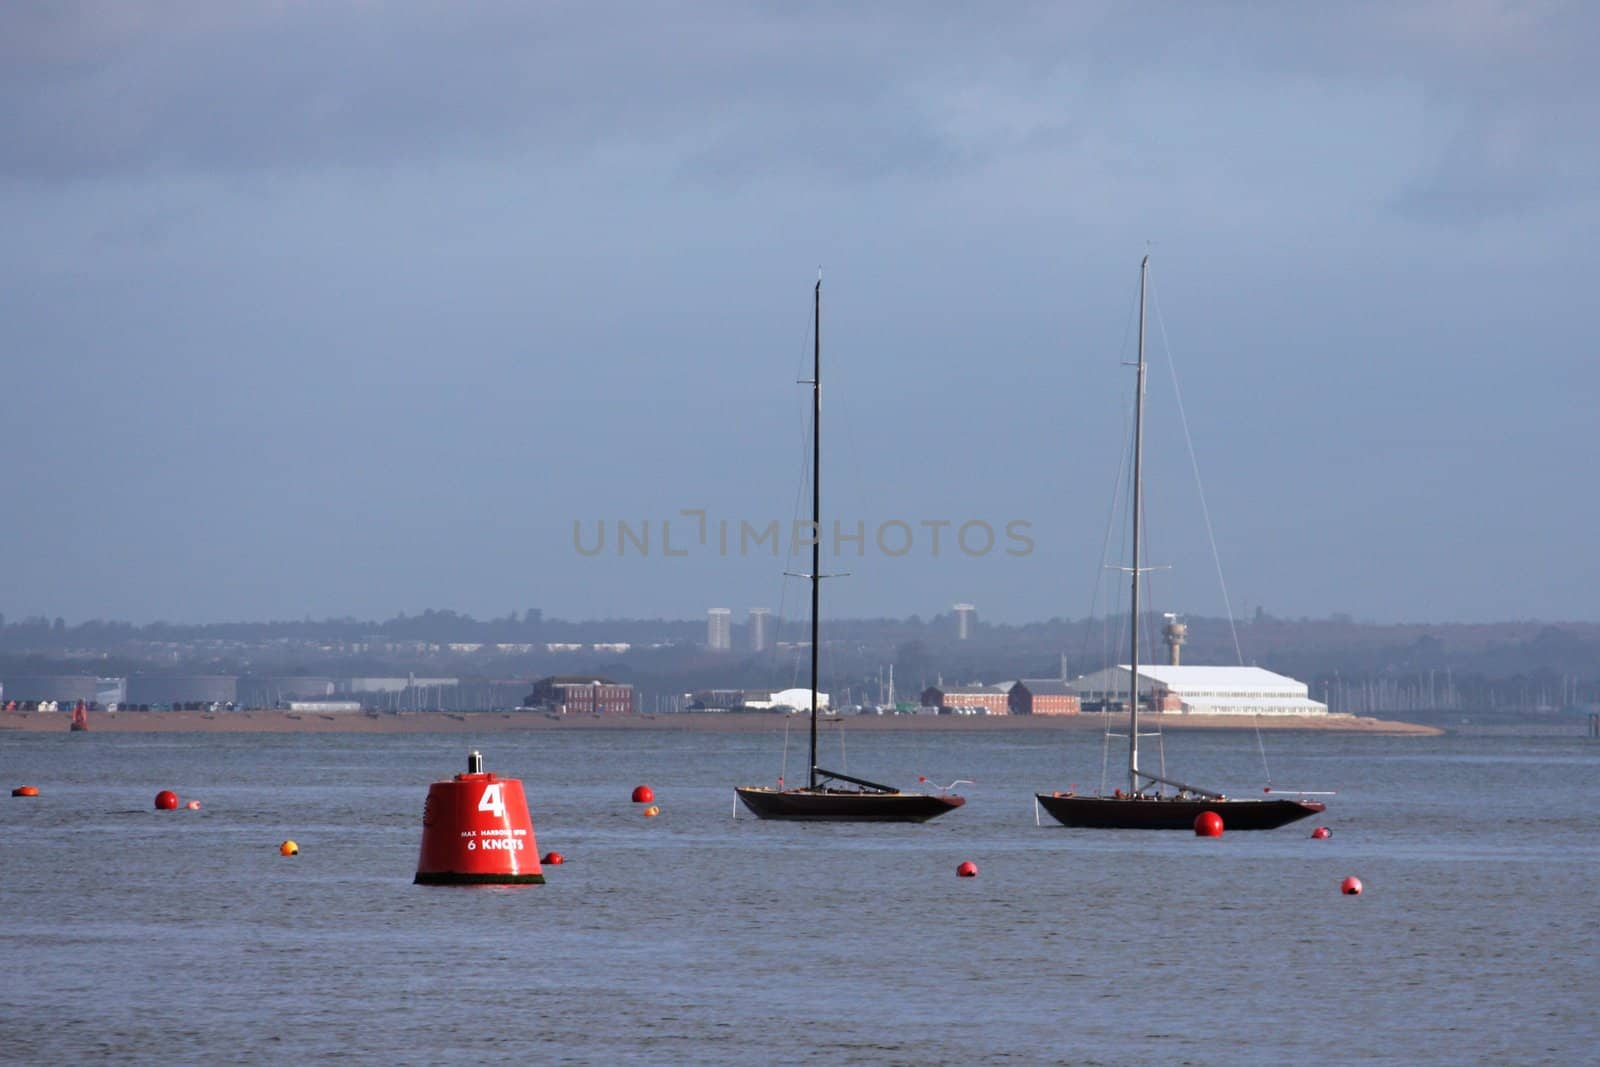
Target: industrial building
(1044, 696)
(581, 695)
(781, 699)
(754, 700)
(1200, 691)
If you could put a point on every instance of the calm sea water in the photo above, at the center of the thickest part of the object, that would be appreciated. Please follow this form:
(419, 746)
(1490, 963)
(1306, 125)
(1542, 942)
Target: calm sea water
(130, 935)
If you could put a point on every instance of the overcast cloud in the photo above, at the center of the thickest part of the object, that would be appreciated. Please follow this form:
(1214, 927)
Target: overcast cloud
(354, 308)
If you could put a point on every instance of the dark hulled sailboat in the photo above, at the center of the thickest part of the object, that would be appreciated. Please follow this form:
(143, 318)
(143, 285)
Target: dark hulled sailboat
(1144, 805)
(832, 795)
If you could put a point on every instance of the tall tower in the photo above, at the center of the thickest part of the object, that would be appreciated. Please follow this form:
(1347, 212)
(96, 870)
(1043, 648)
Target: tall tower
(719, 630)
(966, 615)
(1175, 633)
(760, 634)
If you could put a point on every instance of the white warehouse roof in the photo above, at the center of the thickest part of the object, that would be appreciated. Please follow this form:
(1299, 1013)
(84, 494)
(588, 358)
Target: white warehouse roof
(799, 699)
(1208, 690)
(1236, 681)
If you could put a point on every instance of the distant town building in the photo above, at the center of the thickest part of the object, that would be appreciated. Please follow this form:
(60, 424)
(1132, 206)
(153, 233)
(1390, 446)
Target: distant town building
(953, 698)
(754, 700)
(1201, 691)
(1043, 696)
(388, 685)
(183, 689)
(719, 630)
(62, 688)
(581, 695)
(716, 700)
(966, 618)
(777, 700)
(326, 706)
(268, 691)
(760, 635)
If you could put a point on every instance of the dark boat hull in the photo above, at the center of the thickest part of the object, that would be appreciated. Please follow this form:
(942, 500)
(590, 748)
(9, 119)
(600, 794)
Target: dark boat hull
(844, 805)
(1166, 813)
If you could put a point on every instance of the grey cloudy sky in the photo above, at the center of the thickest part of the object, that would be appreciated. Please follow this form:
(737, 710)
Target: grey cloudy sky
(355, 308)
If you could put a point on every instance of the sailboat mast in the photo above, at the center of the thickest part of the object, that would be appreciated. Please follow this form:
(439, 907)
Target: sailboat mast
(816, 505)
(1138, 508)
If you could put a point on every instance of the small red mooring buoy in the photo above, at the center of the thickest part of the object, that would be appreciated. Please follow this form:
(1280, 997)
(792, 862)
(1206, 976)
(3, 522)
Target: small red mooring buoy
(643, 794)
(166, 800)
(25, 791)
(1321, 833)
(968, 869)
(1208, 824)
(476, 831)
(553, 859)
(1351, 887)
(288, 848)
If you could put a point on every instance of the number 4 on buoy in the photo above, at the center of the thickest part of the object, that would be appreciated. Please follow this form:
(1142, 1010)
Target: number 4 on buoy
(493, 800)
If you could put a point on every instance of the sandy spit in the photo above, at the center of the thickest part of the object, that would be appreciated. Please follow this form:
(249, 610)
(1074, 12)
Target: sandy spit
(472, 722)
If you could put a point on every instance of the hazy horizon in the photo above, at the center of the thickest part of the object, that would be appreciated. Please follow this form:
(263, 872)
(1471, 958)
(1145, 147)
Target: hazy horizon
(740, 619)
(341, 310)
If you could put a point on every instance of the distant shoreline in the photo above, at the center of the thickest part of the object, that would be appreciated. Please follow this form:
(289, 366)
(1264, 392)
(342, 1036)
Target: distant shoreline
(733, 722)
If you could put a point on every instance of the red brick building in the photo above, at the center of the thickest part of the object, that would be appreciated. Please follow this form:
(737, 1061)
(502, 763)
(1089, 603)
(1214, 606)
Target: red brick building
(1043, 696)
(581, 695)
(991, 698)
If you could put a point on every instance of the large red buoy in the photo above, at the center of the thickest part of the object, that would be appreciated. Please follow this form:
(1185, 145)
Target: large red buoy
(1208, 824)
(1351, 887)
(1321, 833)
(476, 831)
(968, 869)
(553, 859)
(643, 794)
(166, 800)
